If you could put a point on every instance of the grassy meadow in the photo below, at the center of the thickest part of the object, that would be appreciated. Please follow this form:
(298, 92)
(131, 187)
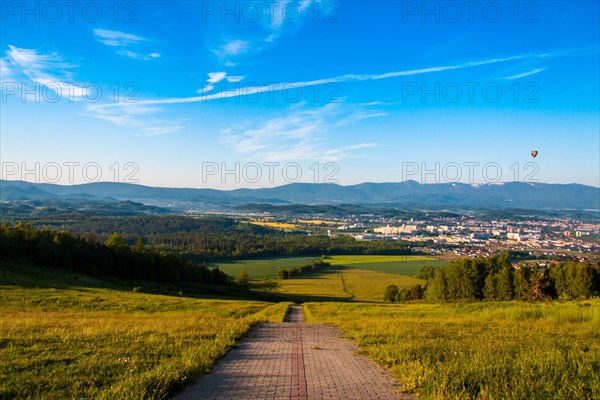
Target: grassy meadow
(508, 350)
(262, 268)
(403, 265)
(266, 268)
(340, 283)
(325, 285)
(69, 336)
(77, 337)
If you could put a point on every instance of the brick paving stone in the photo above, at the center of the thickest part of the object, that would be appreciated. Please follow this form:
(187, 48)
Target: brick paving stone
(294, 361)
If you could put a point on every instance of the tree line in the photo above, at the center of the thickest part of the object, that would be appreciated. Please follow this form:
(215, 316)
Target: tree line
(114, 258)
(495, 279)
(287, 273)
(212, 238)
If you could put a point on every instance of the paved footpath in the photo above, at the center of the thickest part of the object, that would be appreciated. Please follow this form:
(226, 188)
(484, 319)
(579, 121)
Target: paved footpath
(294, 361)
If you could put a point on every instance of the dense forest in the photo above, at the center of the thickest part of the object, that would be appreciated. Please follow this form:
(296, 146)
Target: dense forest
(113, 258)
(495, 279)
(209, 238)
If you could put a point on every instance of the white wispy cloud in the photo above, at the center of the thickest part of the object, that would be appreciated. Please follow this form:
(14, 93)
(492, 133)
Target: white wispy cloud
(117, 38)
(216, 77)
(300, 134)
(278, 13)
(235, 79)
(5, 71)
(55, 73)
(247, 91)
(49, 70)
(232, 48)
(160, 130)
(126, 44)
(139, 118)
(524, 74)
(279, 17)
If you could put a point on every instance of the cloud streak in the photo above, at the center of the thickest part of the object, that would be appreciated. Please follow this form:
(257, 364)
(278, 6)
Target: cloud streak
(125, 44)
(298, 135)
(246, 91)
(48, 70)
(524, 74)
(137, 117)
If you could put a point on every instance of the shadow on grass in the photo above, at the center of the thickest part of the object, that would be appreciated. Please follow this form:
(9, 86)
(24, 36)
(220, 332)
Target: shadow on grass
(24, 274)
(267, 289)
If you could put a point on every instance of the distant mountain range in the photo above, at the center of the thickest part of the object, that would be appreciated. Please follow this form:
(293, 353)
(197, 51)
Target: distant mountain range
(408, 194)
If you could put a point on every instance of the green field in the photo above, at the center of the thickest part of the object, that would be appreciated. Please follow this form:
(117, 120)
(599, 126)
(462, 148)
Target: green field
(326, 285)
(75, 337)
(262, 268)
(403, 265)
(266, 268)
(341, 283)
(509, 350)
(356, 278)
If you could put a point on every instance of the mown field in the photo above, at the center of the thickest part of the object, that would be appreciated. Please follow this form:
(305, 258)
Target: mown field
(263, 268)
(403, 265)
(340, 283)
(76, 337)
(266, 268)
(276, 225)
(508, 350)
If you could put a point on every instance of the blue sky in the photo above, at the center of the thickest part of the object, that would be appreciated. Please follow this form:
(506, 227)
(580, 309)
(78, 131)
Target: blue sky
(346, 91)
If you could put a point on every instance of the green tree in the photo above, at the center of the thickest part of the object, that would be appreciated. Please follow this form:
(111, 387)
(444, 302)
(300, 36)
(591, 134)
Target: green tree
(584, 281)
(505, 284)
(521, 282)
(425, 273)
(403, 295)
(390, 293)
(242, 278)
(491, 287)
(117, 242)
(416, 292)
(438, 288)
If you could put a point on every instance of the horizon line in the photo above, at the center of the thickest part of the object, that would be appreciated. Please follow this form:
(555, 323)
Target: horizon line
(474, 184)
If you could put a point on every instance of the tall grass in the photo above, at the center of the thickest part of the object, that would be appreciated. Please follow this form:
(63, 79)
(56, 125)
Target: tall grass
(108, 344)
(479, 350)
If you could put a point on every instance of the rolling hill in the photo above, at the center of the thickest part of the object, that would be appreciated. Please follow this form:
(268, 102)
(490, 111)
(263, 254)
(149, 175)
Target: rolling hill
(409, 194)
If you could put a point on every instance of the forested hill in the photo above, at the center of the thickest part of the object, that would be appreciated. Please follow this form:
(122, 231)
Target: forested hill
(408, 194)
(113, 258)
(204, 239)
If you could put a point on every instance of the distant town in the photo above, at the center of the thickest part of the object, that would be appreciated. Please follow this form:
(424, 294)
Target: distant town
(539, 240)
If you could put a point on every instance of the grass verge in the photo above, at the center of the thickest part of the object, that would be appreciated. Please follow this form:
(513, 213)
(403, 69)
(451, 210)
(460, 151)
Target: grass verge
(503, 350)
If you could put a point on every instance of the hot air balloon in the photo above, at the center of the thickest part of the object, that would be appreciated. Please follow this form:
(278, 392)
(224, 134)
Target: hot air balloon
(534, 153)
